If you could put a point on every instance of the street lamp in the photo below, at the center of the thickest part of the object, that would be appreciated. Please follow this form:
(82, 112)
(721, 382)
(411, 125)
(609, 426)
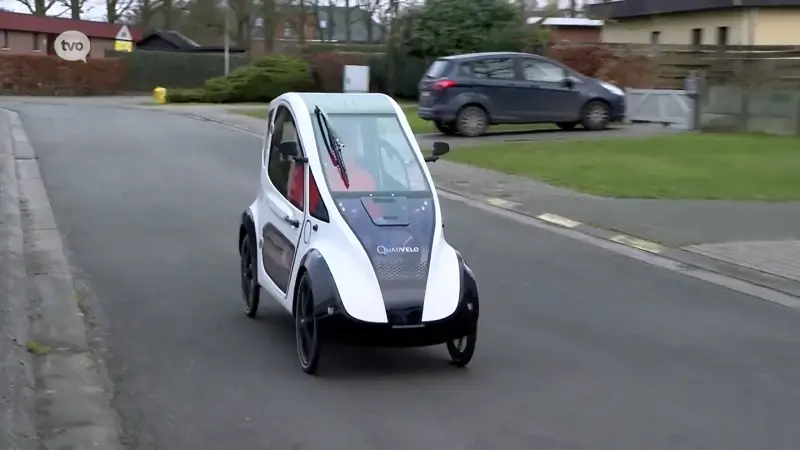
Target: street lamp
(227, 41)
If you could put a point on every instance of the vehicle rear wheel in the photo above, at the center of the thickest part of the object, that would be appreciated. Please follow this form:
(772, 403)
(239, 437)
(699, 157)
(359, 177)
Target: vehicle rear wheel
(472, 121)
(306, 327)
(596, 116)
(462, 349)
(251, 291)
(448, 128)
(566, 126)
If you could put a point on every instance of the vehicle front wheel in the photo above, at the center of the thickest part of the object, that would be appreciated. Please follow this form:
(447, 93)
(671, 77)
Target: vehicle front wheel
(596, 116)
(251, 291)
(448, 128)
(306, 327)
(566, 126)
(462, 349)
(472, 121)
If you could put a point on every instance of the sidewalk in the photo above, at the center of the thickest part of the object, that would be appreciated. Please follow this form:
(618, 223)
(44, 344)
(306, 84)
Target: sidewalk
(761, 236)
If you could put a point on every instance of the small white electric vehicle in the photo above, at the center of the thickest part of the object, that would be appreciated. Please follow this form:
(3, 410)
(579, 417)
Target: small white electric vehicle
(346, 231)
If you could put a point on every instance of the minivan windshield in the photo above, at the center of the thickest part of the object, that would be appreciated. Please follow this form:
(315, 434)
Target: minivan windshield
(376, 152)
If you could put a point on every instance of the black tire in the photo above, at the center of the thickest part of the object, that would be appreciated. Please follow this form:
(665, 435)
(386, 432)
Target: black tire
(472, 121)
(566, 126)
(595, 116)
(251, 290)
(448, 128)
(461, 350)
(306, 327)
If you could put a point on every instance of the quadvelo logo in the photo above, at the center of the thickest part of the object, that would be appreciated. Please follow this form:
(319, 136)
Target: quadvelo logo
(384, 250)
(72, 45)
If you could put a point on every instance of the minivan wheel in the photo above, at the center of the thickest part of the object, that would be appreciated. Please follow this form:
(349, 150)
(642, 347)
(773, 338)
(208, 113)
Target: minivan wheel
(566, 126)
(472, 121)
(448, 128)
(596, 116)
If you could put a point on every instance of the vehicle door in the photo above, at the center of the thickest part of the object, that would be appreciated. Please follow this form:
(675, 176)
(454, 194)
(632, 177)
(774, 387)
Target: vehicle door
(494, 80)
(282, 211)
(549, 94)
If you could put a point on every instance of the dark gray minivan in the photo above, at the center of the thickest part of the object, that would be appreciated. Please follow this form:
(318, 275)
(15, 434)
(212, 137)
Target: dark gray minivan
(464, 94)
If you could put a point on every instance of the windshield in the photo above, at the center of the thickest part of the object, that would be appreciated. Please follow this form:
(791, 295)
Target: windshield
(376, 153)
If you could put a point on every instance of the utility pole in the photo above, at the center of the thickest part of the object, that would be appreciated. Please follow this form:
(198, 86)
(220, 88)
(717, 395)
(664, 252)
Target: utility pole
(227, 40)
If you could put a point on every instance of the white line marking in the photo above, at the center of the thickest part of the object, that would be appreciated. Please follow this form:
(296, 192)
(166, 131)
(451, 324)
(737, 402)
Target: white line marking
(501, 202)
(558, 220)
(641, 244)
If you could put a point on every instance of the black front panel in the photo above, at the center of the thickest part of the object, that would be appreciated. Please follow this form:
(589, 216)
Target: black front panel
(397, 233)
(277, 255)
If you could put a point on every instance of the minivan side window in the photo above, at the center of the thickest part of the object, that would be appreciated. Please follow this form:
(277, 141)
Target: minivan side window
(493, 69)
(537, 70)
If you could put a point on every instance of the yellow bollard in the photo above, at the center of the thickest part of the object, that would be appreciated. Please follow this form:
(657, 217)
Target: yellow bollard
(160, 95)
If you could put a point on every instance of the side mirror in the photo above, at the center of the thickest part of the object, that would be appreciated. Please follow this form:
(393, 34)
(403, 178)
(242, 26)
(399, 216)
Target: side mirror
(568, 82)
(439, 149)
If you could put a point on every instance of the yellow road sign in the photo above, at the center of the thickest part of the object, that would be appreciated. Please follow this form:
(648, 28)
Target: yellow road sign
(123, 46)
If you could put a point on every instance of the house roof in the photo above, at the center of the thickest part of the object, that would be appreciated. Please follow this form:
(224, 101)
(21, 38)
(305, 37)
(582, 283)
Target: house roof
(566, 22)
(183, 43)
(56, 25)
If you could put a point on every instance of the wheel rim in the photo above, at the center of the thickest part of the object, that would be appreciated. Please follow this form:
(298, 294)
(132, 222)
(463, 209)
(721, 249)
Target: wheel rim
(247, 276)
(597, 114)
(460, 344)
(472, 122)
(306, 325)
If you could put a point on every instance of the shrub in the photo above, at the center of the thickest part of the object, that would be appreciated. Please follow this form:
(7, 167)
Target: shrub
(261, 81)
(177, 95)
(50, 75)
(622, 68)
(408, 70)
(327, 69)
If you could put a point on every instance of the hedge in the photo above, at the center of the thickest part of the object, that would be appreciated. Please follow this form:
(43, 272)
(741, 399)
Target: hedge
(148, 69)
(261, 81)
(50, 75)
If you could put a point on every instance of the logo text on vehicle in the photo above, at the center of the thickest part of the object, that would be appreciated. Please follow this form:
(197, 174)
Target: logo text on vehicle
(384, 250)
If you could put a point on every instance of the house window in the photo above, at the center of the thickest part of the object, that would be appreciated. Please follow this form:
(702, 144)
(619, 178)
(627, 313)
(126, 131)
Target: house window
(37, 42)
(722, 36)
(3, 38)
(697, 36)
(655, 36)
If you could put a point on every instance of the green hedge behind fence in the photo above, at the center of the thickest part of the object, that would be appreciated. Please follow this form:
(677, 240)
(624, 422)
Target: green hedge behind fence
(147, 69)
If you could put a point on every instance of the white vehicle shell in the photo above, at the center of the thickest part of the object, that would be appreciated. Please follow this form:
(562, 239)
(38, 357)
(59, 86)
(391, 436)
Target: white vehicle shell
(348, 269)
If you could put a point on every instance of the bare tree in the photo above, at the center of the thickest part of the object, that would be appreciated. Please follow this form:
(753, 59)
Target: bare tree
(38, 7)
(115, 9)
(242, 18)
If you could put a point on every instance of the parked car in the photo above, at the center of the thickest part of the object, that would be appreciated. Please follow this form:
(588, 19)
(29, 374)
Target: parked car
(464, 94)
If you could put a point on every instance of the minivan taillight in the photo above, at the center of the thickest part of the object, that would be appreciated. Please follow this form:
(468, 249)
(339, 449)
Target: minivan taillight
(443, 84)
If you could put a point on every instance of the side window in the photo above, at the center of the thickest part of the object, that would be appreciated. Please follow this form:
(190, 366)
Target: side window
(535, 70)
(267, 137)
(493, 69)
(285, 174)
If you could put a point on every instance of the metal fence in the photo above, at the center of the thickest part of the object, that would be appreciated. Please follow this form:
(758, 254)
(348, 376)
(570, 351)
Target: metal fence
(667, 106)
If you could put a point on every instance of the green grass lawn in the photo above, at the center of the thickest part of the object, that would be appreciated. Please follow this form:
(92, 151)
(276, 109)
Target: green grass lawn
(419, 126)
(681, 166)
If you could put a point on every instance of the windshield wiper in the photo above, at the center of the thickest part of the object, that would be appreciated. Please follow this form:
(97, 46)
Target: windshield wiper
(333, 144)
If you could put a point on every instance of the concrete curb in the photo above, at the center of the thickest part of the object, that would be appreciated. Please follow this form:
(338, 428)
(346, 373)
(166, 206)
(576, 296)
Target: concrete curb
(17, 388)
(783, 291)
(73, 408)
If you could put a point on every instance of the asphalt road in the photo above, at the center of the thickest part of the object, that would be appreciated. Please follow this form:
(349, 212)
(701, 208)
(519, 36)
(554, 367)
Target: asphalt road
(579, 348)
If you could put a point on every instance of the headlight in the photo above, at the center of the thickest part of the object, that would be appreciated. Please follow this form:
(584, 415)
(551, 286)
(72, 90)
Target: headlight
(611, 88)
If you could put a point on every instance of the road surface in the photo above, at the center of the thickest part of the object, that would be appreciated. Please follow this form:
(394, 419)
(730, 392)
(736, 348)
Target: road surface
(579, 347)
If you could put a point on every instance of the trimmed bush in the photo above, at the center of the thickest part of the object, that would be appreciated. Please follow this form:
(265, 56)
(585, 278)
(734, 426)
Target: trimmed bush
(177, 95)
(622, 68)
(261, 81)
(50, 75)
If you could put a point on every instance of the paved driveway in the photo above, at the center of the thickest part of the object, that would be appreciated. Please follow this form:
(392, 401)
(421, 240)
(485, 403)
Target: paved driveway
(580, 348)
